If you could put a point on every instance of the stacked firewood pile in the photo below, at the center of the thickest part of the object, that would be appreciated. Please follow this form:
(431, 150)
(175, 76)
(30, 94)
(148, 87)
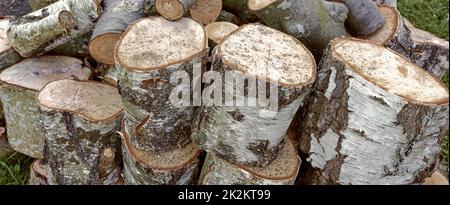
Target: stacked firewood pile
(87, 89)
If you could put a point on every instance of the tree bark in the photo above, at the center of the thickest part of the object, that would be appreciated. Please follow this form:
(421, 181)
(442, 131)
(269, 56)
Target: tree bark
(176, 167)
(47, 28)
(8, 56)
(81, 120)
(5, 148)
(20, 83)
(154, 123)
(372, 119)
(308, 21)
(229, 17)
(364, 17)
(429, 52)
(337, 10)
(38, 173)
(282, 171)
(245, 133)
(116, 17)
(39, 4)
(240, 8)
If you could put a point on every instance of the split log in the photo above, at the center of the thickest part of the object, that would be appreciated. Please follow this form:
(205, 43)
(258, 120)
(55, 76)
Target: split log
(176, 167)
(364, 17)
(429, 51)
(282, 171)
(204, 11)
(374, 118)
(391, 3)
(116, 17)
(38, 173)
(8, 56)
(394, 34)
(436, 179)
(242, 132)
(54, 25)
(308, 21)
(240, 8)
(19, 85)
(5, 148)
(81, 120)
(218, 30)
(149, 52)
(229, 17)
(39, 4)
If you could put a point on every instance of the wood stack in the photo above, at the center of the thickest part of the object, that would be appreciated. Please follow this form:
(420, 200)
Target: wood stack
(251, 82)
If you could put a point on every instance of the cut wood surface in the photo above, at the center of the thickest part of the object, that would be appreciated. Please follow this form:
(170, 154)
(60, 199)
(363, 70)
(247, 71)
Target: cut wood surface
(282, 171)
(81, 120)
(176, 167)
(239, 132)
(374, 118)
(8, 56)
(173, 9)
(54, 25)
(206, 11)
(19, 85)
(436, 179)
(115, 18)
(218, 30)
(147, 54)
(364, 17)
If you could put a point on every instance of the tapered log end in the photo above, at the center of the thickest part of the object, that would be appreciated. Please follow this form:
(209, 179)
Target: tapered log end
(218, 30)
(170, 9)
(102, 47)
(268, 53)
(256, 5)
(390, 26)
(92, 100)
(206, 11)
(154, 43)
(390, 71)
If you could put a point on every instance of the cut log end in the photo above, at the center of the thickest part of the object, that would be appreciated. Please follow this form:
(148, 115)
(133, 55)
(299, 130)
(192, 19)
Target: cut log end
(436, 179)
(154, 42)
(66, 19)
(218, 30)
(206, 11)
(170, 9)
(269, 53)
(391, 71)
(102, 47)
(390, 27)
(94, 101)
(256, 5)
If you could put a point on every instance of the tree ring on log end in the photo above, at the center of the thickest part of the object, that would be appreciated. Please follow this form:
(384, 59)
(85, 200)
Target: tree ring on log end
(102, 45)
(256, 5)
(170, 9)
(218, 30)
(206, 11)
(66, 19)
(390, 71)
(153, 43)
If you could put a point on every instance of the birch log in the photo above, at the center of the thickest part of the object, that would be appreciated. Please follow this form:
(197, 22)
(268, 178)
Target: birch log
(8, 56)
(5, 148)
(38, 173)
(429, 51)
(148, 54)
(54, 25)
(39, 4)
(77, 47)
(19, 85)
(176, 167)
(282, 171)
(252, 133)
(364, 17)
(218, 30)
(81, 120)
(308, 21)
(394, 34)
(116, 17)
(374, 118)
(240, 8)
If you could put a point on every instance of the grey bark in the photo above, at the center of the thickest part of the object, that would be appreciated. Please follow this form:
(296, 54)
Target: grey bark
(8, 56)
(364, 17)
(230, 17)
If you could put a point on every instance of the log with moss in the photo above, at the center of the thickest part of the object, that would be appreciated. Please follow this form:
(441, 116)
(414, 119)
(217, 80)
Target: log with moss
(8, 56)
(81, 120)
(19, 85)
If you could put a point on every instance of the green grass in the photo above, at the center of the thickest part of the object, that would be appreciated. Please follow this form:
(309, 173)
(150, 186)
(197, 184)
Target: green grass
(15, 169)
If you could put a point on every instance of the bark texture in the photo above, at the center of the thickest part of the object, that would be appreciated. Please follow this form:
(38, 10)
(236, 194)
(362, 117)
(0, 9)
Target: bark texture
(229, 17)
(354, 132)
(364, 17)
(5, 148)
(38, 173)
(47, 28)
(240, 9)
(39, 4)
(8, 56)
(173, 9)
(78, 47)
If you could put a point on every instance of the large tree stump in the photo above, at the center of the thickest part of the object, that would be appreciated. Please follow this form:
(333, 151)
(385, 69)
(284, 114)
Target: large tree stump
(374, 118)
(337, 10)
(282, 171)
(394, 34)
(218, 30)
(176, 167)
(54, 25)
(38, 173)
(81, 120)
(429, 52)
(149, 52)
(116, 17)
(8, 56)
(20, 83)
(308, 21)
(364, 17)
(243, 133)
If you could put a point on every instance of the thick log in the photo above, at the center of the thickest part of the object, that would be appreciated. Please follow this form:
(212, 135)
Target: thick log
(374, 118)
(8, 56)
(54, 25)
(246, 133)
(176, 167)
(240, 8)
(364, 17)
(19, 85)
(218, 30)
(38, 173)
(391, 3)
(394, 34)
(39, 4)
(282, 171)
(149, 52)
(308, 21)
(81, 120)
(429, 51)
(111, 75)
(116, 17)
